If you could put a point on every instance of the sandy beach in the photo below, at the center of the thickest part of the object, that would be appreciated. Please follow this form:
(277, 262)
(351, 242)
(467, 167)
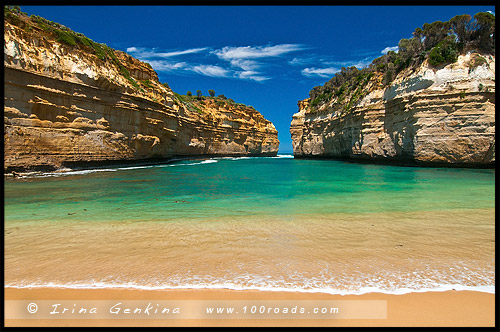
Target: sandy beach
(450, 308)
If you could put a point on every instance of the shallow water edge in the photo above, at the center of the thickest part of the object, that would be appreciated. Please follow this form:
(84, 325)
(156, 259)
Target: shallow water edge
(87, 165)
(404, 162)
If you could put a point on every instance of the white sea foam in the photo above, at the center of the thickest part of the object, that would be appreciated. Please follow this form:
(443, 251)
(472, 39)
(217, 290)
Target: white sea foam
(207, 161)
(68, 171)
(137, 167)
(228, 285)
(239, 158)
(267, 283)
(64, 173)
(283, 156)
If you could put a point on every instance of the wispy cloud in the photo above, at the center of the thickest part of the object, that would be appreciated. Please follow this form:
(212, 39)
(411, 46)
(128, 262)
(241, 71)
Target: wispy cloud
(325, 66)
(387, 49)
(305, 60)
(252, 75)
(229, 53)
(243, 59)
(243, 63)
(143, 53)
(297, 62)
(162, 65)
(329, 67)
(211, 70)
(321, 72)
(205, 70)
(349, 63)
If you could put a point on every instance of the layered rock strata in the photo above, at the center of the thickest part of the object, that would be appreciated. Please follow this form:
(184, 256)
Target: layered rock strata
(65, 105)
(431, 116)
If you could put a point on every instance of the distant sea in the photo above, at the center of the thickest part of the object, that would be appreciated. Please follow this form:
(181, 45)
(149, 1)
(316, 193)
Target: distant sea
(266, 223)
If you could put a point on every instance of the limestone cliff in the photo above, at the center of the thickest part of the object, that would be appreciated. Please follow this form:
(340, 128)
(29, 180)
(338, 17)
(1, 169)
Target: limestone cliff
(69, 100)
(427, 115)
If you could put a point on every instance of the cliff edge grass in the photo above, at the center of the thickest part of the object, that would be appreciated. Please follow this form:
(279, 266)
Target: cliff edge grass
(70, 101)
(431, 103)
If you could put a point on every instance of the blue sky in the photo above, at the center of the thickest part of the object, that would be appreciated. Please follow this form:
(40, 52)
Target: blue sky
(269, 57)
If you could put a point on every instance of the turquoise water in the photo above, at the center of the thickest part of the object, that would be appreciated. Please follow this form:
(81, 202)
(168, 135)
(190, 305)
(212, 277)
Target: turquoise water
(267, 223)
(245, 187)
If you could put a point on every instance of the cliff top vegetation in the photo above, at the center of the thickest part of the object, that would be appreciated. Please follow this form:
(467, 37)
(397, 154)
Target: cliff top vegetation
(64, 35)
(439, 42)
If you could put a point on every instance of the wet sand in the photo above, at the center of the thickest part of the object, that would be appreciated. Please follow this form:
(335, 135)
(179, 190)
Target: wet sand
(450, 308)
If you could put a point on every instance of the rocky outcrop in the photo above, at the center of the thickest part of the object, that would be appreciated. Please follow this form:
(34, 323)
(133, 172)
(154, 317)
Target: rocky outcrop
(430, 116)
(77, 104)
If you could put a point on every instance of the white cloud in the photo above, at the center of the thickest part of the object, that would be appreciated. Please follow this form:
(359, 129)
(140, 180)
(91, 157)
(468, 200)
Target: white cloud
(211, 70)
(243, 58)
(321, 72)
(362, 63)
(303, 61)
(161, 65)
(251, 75)
(328, 72)
(387, 49)
(245, 64)
(296, 61)
(188, 51)
(206, 70)
(229, 53)
(144, 53)
(249, 70)
(218, 71)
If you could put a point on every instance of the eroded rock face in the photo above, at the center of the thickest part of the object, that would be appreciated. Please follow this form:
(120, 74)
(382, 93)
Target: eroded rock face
(432, 117)
(65, 105)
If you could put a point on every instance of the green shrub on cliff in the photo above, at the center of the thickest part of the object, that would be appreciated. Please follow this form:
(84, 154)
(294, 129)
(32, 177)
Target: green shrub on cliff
(65, 37)
(10, 13)
(187, 100)
(69, 37)
(446, 51)
(10, 8)
(345, 89)
(476, 61)
(323, 97)
(147, 84)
